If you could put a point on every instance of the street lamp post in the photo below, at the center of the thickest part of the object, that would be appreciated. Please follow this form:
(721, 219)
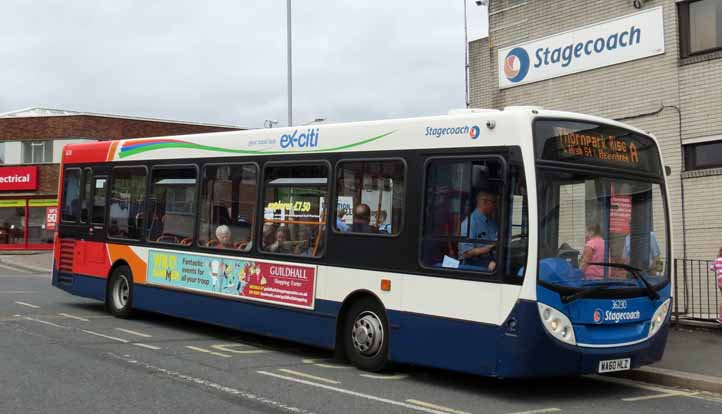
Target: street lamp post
(290, 80)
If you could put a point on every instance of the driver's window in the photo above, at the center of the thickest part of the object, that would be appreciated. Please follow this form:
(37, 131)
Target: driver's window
(171, 206)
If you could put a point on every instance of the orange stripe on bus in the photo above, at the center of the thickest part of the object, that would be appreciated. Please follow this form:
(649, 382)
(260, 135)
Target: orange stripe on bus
(137, 265)
(111, 152)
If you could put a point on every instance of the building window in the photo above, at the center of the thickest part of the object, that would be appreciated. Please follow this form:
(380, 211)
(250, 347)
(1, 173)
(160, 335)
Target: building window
(171, 208)
(127, 202)
(369, 196)
(37, 152)
(228, 206)
(700, 25)
(703, 155)
(295, 199)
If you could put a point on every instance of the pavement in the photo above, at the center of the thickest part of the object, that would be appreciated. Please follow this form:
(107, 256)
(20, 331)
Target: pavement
(692, 359)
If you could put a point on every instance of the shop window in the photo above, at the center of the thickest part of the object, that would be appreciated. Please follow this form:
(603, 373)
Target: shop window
(228, 206)
(39, 232)
(703, 155)
(171, 207)
(12, 222)
(70, 210)
(100, 192)
(370, 197)
(700, 24)
(462, 214)
(127, 202)
(37, 152)
(294, 215)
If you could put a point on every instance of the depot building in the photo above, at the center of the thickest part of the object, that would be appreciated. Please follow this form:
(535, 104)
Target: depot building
(31, 143)
(654, 64)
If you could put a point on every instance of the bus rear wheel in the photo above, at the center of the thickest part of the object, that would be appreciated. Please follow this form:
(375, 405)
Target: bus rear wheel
(366, 335)
(120, 292)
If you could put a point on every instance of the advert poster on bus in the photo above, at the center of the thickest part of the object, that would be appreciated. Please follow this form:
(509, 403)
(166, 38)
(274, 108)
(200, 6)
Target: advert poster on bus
(283, 284)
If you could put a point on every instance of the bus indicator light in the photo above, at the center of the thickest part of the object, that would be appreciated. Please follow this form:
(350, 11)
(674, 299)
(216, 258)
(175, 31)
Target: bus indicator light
(386, 285)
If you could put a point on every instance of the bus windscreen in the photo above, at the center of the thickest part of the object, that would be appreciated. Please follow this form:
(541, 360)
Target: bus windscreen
(594, 144)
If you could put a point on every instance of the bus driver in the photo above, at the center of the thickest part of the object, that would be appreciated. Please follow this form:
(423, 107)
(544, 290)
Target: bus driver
(484, 227)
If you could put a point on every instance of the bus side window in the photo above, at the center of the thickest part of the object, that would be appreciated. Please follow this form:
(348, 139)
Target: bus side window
(369, 196)
(228, 206)
(127, 201)
(295, 205)
(171, 207)
(517, 223)
(462, 214)
(70, 210)
(100, 192)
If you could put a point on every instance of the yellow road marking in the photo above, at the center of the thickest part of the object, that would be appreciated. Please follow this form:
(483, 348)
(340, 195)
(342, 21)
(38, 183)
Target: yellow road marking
(436, 407)
(385, 377)
(229, 348)
(107, 336)
(27, 304)
(67, 315)
(134, 332)
(207, 351)
(309, 376)
(155, 348)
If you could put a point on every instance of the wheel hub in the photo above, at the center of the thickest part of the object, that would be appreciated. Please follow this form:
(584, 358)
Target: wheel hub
(367, 334)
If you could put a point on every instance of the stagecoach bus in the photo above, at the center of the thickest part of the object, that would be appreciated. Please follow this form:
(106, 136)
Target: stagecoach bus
(513, 243)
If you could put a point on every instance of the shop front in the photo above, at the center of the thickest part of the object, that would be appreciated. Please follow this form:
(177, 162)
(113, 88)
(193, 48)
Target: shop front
(27, 216)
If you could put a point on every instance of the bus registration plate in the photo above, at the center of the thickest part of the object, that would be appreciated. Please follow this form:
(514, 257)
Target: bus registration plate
(613, 365)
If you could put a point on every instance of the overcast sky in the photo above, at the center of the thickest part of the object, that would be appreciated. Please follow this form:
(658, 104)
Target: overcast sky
(225, 61)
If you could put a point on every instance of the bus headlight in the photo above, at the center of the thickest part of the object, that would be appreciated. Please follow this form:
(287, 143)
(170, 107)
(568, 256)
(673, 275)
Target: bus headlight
(557, 324)
(660, 315)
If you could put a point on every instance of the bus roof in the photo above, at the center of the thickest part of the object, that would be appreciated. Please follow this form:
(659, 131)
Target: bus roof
(460, 129)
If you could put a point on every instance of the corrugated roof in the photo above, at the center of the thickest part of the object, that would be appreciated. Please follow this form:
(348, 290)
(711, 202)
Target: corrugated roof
(45, 112)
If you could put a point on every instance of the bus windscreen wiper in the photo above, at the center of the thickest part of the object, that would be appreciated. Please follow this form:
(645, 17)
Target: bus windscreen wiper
(583, 293)
(637, 273)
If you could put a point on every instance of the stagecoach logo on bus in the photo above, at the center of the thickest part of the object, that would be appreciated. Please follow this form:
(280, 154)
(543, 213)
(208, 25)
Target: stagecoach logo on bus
(307, 139)
(605, 316)
(620, 40)
(472, 131)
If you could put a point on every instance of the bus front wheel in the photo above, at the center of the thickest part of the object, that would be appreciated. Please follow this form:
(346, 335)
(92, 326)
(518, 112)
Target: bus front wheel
(366, 335)
(120, 292)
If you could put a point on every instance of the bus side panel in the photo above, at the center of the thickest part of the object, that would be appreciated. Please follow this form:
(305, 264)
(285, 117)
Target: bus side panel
(309, 327)
(91, 258)
(86, 286)
(443, 343)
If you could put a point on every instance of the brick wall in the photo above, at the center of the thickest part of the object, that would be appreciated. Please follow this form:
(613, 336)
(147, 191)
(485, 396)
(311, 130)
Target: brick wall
(95, 127)
(618, 91)
(48, 178)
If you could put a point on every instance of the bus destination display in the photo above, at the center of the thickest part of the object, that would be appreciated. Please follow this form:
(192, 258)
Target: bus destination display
(582, 142)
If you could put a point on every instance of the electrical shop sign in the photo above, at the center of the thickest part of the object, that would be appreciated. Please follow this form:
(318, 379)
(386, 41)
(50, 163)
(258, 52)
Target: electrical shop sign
(624, 39)
(19, 178)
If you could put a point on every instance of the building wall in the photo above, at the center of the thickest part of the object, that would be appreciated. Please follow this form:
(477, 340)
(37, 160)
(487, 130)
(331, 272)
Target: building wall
(94, 127)
(621, 91)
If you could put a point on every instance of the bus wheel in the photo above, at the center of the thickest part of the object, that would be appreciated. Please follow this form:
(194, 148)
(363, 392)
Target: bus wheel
(366, 335)
(120, 292)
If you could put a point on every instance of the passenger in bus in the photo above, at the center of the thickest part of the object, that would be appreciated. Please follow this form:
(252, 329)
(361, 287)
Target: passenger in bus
(340, 223)
(362, 219)
(483, 226)
(269, 235)
(593, 253)
(282, 243)
(224, 237)
(654, 252)
(381, 222)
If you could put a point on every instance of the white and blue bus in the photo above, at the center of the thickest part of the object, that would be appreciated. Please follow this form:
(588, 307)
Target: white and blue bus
(514, 243)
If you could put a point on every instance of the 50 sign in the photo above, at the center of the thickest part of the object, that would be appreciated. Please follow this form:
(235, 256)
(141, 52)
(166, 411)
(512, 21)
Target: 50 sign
(51, 218)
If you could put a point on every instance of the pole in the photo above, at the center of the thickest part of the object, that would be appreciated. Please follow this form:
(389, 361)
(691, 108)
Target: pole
(466, 58)
(288, 57)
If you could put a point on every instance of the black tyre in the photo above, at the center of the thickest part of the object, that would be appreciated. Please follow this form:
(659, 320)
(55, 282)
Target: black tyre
(119, 299)
(366, 335)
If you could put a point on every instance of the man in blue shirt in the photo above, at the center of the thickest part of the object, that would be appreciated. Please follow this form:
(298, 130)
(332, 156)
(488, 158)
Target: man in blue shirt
(482, 227)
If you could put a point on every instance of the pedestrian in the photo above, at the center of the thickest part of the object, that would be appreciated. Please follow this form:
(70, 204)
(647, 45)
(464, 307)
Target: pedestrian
(716, 267)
